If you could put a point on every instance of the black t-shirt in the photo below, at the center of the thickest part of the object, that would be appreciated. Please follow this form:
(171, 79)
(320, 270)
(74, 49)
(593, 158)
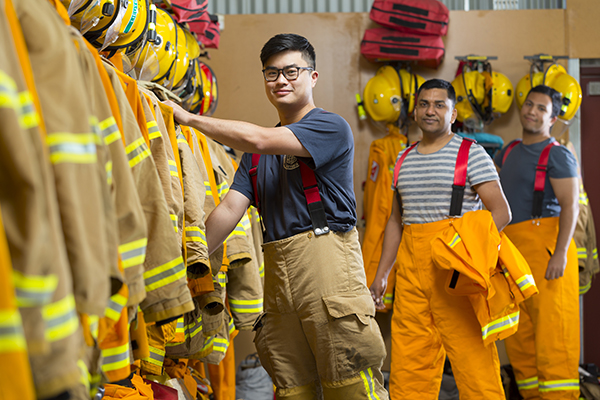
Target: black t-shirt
(328, 138)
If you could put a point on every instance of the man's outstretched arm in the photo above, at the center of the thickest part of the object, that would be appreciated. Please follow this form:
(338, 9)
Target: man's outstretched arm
(224, 218)
(240, 135)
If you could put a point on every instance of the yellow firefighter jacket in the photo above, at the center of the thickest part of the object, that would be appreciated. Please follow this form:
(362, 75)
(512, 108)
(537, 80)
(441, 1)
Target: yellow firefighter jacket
(377, 204)
(493, 273)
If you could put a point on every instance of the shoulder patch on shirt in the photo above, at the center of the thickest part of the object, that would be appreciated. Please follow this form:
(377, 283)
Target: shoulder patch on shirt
(290, 162)
(374, 171)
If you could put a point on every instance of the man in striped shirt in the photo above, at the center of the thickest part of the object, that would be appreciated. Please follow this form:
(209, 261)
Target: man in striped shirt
(428, 322)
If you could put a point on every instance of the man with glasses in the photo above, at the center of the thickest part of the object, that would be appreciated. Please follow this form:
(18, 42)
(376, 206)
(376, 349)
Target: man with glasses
(318, 332)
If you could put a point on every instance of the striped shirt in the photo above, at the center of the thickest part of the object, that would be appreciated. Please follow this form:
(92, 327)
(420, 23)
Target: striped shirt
(425, 181)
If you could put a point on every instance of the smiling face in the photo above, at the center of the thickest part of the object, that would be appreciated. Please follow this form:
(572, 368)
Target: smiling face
(285, 94)
(536, 114)
(434, 112)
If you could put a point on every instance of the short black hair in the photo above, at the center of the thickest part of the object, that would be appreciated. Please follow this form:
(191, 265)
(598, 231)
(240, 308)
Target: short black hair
(554, 96)
(439, 84)
(289, 41)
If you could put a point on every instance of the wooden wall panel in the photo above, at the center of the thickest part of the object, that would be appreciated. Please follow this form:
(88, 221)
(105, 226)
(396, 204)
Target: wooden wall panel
(582, 31)
(509, 35)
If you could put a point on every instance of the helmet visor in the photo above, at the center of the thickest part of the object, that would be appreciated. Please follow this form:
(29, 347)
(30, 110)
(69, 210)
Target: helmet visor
(112, 33)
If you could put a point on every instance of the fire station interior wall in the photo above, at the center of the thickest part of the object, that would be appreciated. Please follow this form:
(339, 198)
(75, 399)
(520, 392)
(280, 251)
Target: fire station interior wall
(343, 72)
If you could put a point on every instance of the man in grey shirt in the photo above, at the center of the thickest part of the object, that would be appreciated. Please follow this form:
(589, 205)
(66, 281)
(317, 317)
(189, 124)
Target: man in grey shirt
(428, 322)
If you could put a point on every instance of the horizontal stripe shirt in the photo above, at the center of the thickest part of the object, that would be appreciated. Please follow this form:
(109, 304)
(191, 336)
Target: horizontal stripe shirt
(425, 181)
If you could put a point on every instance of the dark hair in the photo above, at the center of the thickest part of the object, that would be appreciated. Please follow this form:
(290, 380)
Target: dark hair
(554, 96)
(439, 84)
(289, 41)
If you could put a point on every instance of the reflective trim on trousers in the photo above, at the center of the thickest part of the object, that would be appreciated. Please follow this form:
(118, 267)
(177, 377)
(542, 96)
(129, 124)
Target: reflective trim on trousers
(115, 358)
(367, 377)
(529, 383)
(562, 384)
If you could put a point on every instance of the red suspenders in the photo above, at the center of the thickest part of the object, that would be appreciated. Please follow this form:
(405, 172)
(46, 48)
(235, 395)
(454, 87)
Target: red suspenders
(541, 170)
(311, 192)
(460, 174)
(458, 186)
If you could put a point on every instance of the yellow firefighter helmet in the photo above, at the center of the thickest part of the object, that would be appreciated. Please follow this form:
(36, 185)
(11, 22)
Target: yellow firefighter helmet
(382, 95)
(470, 88)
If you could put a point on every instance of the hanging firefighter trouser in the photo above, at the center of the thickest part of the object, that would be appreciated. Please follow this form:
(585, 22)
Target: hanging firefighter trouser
(428, 322)
(544, 352)
(319, 327)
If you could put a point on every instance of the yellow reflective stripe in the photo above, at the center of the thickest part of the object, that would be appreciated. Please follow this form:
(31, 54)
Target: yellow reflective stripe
(261, 269)
(208, 188)
(525, 282)
(208, 343)
(29, 117)
(595, 253)
(529, 383)
(500, 324)
(8, 92)
(193, 329)
(137, 152)
(195, 234)
(454, 240)
(94, 320)
(72, 148)
(245, 222)
(238, 231)
(110, 130)
(84, 377)
(157, 356)
(61, 319)
(33, 290)
(220, 345)
(583, 198)
(164, 274)
(369, 382)
(222, 189)
(231, 326)
(562, 384)
(581, 253)
(174, 220)
(153, 131)
(246, 306)
(173, 168)
(115, 358)
(221, 278)
(116, 302)
(109, 174)
(583, 289)
(133, 253)
(11, 332)
(179, 327)
(388, 298)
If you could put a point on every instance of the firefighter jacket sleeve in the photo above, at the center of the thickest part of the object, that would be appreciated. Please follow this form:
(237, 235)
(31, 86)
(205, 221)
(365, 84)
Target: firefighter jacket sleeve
(22, 194)
(585, 240)
(495, 286)
(194, 193)
(167, 295)
(257, 239)
(54, 366)
(238, 248)
(245, 294)
(167, 163)
(131, 223)
(377, 205)
(102, 122)
(73, 151)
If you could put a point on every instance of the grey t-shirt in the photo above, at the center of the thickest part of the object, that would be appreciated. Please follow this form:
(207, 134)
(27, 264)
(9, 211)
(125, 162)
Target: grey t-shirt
(518, 177)
(425, 181)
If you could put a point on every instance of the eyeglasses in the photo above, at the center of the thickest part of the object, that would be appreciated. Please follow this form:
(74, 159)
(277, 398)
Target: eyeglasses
(290, 73)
